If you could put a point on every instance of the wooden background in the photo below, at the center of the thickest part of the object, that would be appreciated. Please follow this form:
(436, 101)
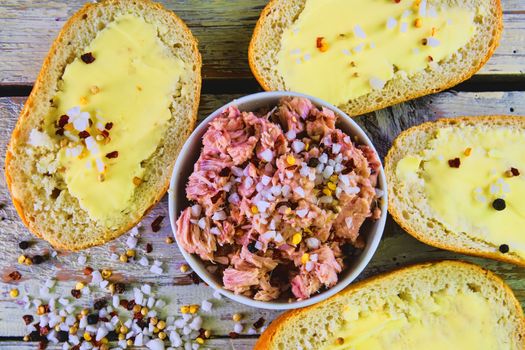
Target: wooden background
(223, 29)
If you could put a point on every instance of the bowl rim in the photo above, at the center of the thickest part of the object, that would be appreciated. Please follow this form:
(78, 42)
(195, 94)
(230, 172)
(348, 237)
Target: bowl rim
(372, 245)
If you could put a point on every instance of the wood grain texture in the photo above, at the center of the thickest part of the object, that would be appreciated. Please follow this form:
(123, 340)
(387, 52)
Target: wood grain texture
(214, 344)
(397, 248)
(223, 29)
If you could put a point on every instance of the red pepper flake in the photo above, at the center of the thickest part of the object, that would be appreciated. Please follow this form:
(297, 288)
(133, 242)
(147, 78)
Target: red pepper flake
(59, 132)
(108, 126)
(112, 155)
(28, 319)
(15, 276)
(149, 248)
(124, 303)
(42, 345)
(131, 304)
(155, 225)
(514, 172)
(84, 134)
(321, 44)
(88, 270)
(430, 59)
(397, 1)
(454, 163)
(104, 133)
(259, 323)
(234, 335)
(63, 120)
(44, 330)
(87, 58)
(75, 293)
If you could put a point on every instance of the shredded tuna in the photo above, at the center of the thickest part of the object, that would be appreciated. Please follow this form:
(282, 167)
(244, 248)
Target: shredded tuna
(193, 239)
(262, 179)
(240, 281)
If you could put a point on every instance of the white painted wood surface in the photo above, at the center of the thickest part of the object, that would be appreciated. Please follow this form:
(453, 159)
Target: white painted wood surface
(223, 28)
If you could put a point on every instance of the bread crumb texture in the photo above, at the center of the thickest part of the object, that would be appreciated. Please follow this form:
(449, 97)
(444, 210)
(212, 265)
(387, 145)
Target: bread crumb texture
(33, 171)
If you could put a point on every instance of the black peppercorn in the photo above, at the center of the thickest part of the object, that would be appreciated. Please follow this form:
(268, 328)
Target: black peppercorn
(499, 204)
(313, 162)
(62, 336)
(35, 336)
(38, 259)
(112, 336)
(504, 248)
(252, 248)
(92, 319)
(23, 245)
(100, 303)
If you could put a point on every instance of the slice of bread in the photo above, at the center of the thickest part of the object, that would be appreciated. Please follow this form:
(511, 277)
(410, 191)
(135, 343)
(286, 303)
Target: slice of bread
(409, 205)
(42, 199)
(317, 326)
(278, 16)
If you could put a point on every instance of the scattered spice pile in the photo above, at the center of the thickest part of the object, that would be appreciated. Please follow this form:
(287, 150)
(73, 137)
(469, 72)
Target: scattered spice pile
(124, 318)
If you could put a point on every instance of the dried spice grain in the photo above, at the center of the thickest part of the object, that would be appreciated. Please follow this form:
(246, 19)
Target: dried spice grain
(156, 224)
(87, 58)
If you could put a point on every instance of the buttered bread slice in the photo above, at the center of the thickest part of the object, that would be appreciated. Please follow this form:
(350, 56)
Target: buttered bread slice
(363, 55)
(97, 139)
(431, 306)
(459, 184)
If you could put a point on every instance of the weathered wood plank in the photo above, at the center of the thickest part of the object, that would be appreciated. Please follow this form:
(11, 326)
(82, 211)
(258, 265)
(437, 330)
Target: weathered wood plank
(223, 29)
(214, 344)
(397, 248)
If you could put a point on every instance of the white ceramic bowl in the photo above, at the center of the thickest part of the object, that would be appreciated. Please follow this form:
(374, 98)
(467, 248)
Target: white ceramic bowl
(184, 167)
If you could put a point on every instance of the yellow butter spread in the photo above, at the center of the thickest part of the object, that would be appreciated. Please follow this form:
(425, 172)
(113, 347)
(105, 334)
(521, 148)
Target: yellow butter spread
(407, 168)
(122, 100)
(342, 49)
(462, 198)
(434, 322)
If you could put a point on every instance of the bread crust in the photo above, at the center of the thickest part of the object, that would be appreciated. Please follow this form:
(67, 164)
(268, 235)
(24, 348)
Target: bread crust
(391, 179)
(266, 339)
(415, 94)
(41, 83)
